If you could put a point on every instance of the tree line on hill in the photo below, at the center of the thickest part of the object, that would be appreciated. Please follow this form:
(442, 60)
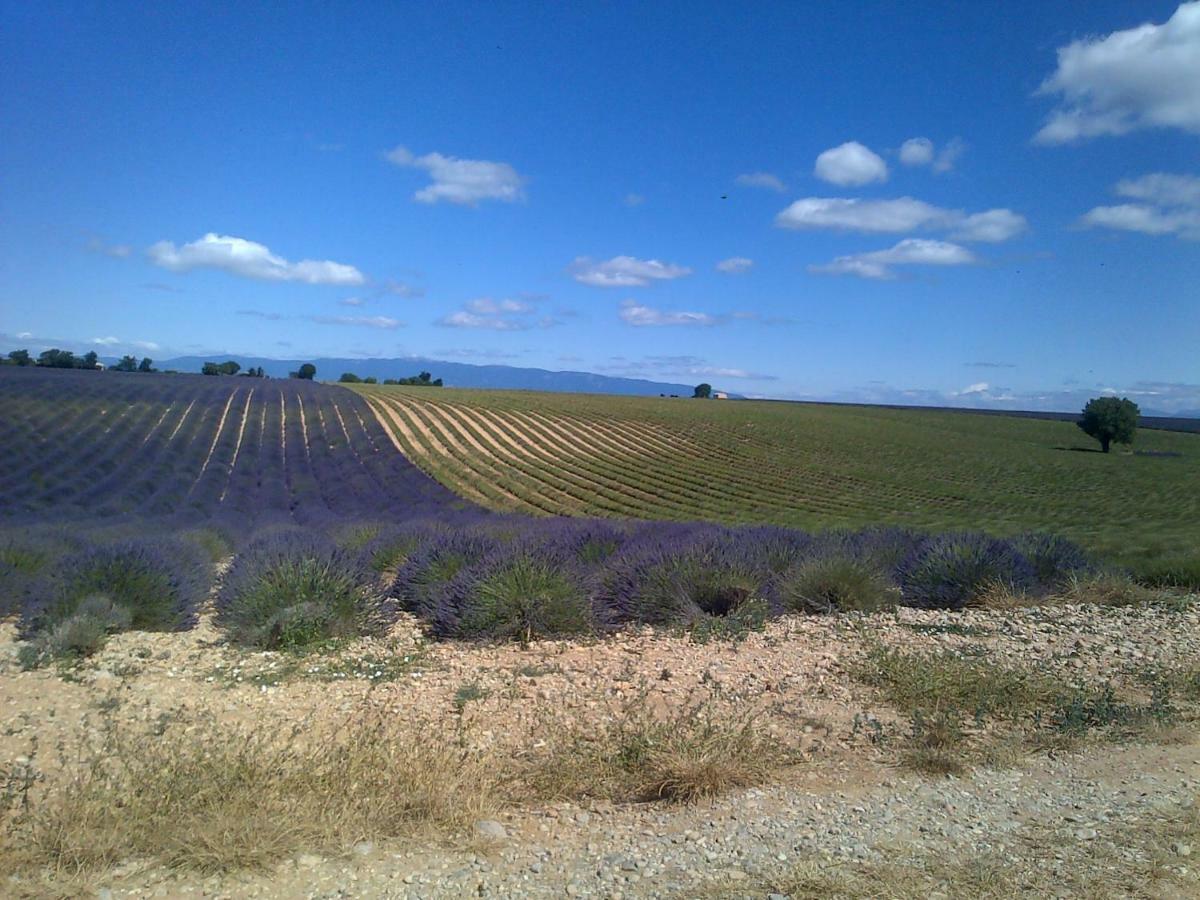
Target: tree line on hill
(423, 379)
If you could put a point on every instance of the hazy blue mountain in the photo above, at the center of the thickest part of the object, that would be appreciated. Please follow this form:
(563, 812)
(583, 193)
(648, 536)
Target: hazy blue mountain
(454, 374)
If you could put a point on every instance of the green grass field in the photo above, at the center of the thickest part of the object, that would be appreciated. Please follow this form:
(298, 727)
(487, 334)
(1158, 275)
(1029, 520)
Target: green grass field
(810, 466)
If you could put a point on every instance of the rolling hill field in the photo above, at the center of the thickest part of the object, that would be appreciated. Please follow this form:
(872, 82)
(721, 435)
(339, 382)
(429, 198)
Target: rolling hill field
(808, 466)
(243, 451)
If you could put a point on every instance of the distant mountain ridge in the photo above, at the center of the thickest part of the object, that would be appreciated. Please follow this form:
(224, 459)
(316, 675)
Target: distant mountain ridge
(453, 374)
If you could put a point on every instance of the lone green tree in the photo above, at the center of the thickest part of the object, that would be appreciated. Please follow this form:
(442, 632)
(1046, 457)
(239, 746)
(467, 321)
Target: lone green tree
(703, 391)
(1109, 420)
(307, 371)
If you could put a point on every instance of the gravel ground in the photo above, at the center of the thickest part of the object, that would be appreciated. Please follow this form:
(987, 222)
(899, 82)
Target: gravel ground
(845, 807)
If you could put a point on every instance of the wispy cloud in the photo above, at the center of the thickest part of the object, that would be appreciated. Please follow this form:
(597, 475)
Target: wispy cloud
(506, 314)
(117, 251)
(879, 264)
(624, 271)
(634, 200)
(401, 289)
(735, 265)
(633, 313)
(463, 181)
(1143, 77)
(249, 259)
(386, 323)
(678, 367)
(761, 180)
(478, 354)
(990, 365)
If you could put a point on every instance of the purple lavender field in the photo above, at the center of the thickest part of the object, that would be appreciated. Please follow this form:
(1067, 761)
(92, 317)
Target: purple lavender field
(122, 492)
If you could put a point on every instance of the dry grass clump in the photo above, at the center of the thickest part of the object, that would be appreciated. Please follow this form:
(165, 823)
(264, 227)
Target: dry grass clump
(926, 682)
(213, 798)
(962, 710)
(691, 752)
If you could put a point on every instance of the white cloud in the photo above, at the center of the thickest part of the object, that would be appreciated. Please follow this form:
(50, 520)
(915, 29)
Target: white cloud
(873, 216)
(877, 264)
(919, 151)
(851, 164)
(899, 216)
(634, 200)
(735, 265)
(761, 180)
(239, 256)
(980, 387)
(462, 181)
(144, 345)
(1143, 77)
(1162, 188)
(624, 271)
(1171, 205)
(351, 301)
(24, 335)
(916, 151)
(993, 226)
(632, 313)
(1145, 219)
(106, 341)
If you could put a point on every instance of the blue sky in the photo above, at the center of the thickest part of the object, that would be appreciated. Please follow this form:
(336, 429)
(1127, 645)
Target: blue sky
(978, 204)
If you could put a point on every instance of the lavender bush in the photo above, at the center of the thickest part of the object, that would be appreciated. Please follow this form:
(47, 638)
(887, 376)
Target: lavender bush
(159, 582)
(950, 571)
(289, 589)
(1054, 559)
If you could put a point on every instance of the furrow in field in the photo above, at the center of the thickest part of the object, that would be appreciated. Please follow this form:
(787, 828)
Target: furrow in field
(182, 419)
(546, 477)
(488, 478)
(216, 437)
(595, 474)
(557, 491)
(150, 433)
(421, 450)
(670, 489)
(237, 447)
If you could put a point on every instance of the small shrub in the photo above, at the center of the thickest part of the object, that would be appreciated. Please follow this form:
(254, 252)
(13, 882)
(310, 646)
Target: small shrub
(836, 583)
(935, 744)
(391, 547)
(526, 596)
(1054, 559)
(682, 579)
(291, 590)
(422, 583)
(952, 570)
(160, 583)
(83, 632)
